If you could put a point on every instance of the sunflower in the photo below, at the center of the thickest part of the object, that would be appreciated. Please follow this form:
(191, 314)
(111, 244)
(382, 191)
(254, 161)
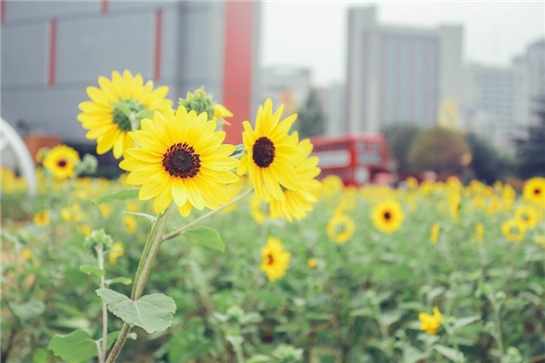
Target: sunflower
(117, 251)
(534, 191)
(181, 158)
(201, 101)
(388, 216)
(61, 161)
(41, 219)
(528, 215)
(26, 254)
(130, 223)
(513, 230)
(430, 323)
(340, 228)
(479, 233)
(331, 184)
(434, 233)
(271, 153)
(312, 263)
(117, 107)
(275, 260)
(298, 202)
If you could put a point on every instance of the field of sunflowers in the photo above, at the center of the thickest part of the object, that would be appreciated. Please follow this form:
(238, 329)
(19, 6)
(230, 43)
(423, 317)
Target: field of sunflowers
(207, 252)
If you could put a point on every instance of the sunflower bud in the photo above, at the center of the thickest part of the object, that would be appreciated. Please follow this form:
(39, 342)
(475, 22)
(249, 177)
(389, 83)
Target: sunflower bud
(200, 102)
(97, 238)
(88, 165)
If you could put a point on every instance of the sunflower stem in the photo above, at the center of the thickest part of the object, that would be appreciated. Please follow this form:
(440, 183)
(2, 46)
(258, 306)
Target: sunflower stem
(204, 216)
(146, 262)
(102, 354)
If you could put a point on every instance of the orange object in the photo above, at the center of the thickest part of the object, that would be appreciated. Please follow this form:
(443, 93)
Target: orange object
(36, 142)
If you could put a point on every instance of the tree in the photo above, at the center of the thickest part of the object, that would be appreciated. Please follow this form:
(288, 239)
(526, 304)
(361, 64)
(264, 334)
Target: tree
(487, 164)
(311, 117)
(531, 151)
(439, 150)
(400, 139)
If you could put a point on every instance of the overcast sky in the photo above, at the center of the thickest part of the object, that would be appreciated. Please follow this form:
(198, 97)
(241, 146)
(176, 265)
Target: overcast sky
(312, 33)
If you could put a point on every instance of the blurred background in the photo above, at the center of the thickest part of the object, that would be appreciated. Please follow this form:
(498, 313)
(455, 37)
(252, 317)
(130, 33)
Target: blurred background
(448, 88)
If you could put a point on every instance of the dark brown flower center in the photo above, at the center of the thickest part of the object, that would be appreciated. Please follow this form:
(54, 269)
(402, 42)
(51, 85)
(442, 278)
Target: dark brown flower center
(537, 191)
(263, 152)
(387, 216)
(61, 163)
(270, 259)
(180, 160)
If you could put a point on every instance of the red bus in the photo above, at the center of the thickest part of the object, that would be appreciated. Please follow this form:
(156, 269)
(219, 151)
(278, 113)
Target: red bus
(356, 159)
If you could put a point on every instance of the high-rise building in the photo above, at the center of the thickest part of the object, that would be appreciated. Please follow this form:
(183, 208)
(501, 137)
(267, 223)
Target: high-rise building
(399, 75)
(501, 100)
(53, 50)
(286, 85)
(333, 100)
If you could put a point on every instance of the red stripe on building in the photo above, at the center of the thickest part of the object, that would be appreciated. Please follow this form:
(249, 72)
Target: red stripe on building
(104, 6)
(52, 51)
(237, 65)
(2, 11)
(158, 40)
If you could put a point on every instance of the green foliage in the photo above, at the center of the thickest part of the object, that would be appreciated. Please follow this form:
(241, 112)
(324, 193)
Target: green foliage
(151, 312)
(75, 347)
(206, 237)
(119, 195)
(440, 150)
(400, 140)
(92, 270)
(311, 118)
(487, 164)
(28, 310)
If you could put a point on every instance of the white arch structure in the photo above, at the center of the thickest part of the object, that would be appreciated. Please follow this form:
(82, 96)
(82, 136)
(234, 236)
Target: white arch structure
(10, 139)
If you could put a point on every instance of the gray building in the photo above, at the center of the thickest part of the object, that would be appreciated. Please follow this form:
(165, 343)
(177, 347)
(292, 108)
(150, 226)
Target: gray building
(288, 85)
(399, 75)
(52, 50)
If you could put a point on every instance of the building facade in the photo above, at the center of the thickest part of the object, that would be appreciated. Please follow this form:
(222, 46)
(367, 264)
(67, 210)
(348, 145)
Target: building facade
(52, 50)
(399, 75)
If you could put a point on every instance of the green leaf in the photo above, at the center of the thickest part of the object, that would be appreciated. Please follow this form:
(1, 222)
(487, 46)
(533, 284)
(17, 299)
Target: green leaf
(206, 237)
(113, 336)
(151, 312)
(149, 217)
(118, 280)
(465, 321)
(92, 270)
(119, 195)
(74, 347)
(28, 310)
(450, 353)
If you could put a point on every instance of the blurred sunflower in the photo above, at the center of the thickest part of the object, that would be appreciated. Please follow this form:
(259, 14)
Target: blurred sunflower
(331, 184)
(479, 233)
(312, 263)
(26, 254)
(298, 202)
(130, 223)
(105, 210)
(434, 237)
(430, 323)
(388, 216)
(534, 191)
(61, 161)
(41, 219)
(85, 230)
(340, 228)
(117, 251)
(181, 158)
(117, 107)
(275, 260)
(271, 153)
(528, 215)
(513, 230)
